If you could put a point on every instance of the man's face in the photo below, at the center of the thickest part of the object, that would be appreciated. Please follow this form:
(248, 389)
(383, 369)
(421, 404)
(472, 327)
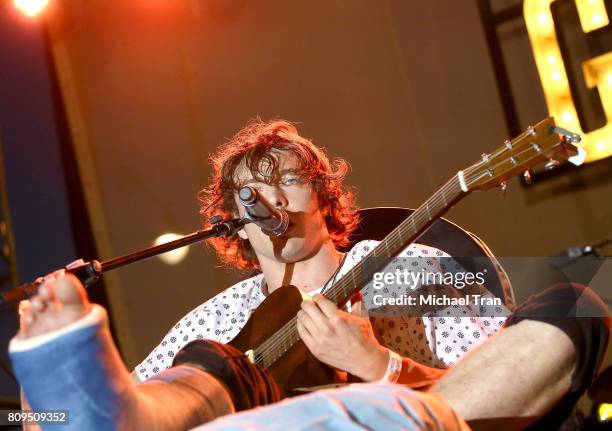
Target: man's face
(289, 190)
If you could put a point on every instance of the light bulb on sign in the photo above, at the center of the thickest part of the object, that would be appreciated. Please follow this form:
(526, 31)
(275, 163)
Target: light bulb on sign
(543, 18)
(30, 7)
(566, 117)
(597, 19)
(172, 257)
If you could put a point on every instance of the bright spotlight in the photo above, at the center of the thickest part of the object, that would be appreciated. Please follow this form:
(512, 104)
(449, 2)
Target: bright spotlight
(31, 7)
(604, 412)
(171, 257)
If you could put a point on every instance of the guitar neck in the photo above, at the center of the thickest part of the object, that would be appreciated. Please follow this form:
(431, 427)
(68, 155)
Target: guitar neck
(406, 233)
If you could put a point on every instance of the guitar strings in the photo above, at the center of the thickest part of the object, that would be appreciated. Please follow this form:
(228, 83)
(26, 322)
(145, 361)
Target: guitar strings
(289, 331)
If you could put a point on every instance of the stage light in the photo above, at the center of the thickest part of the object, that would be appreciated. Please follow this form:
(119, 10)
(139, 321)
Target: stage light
(604, 412)
(31, 7)
(171, 257)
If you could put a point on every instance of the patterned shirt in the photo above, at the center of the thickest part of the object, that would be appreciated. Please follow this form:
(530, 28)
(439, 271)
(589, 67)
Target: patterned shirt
(429, 338)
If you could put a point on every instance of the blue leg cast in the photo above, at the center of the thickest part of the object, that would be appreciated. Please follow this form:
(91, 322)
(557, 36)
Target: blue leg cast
(74, 369)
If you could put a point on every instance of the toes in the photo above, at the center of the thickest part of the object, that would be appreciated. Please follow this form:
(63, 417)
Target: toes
(25, 321)
(70, 291)
(28, 318)
(38, 304)
(45, 293)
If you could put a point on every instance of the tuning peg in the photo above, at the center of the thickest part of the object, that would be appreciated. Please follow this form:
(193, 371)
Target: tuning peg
(527, 176)
(572, 137)
(551, 164)
(503, 186)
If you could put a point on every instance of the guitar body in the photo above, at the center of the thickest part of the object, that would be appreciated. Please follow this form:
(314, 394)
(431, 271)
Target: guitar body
(297, 367)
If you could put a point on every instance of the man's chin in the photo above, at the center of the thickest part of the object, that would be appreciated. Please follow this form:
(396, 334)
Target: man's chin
(292, 251)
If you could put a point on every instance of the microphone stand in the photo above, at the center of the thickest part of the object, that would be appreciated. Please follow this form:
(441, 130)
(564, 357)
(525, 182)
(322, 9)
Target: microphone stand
(89, 272)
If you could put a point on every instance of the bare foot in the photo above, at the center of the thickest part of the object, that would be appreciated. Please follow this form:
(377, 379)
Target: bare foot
(60, 301)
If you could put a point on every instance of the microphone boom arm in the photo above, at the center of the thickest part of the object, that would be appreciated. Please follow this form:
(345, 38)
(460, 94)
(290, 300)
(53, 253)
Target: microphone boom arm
(89, 272)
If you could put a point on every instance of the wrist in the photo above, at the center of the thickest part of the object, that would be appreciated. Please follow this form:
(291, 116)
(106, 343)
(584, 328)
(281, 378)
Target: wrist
(377, 367)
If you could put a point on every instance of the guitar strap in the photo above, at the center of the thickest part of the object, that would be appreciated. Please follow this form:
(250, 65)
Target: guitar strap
(330, 282)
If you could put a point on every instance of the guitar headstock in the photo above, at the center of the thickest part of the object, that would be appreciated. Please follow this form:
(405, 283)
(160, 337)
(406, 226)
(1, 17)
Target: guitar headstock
(537, 144)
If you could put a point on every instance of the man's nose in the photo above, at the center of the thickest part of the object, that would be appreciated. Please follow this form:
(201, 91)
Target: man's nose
(276, 197)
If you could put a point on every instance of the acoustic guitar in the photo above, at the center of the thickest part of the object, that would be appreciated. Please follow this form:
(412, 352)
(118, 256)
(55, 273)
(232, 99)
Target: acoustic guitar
(270, 337)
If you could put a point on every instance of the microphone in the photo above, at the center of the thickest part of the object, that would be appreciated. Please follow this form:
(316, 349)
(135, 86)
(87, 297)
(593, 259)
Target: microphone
(272, 221)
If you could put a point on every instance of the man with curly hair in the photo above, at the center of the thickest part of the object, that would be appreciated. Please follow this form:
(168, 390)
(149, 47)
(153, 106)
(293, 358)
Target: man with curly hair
(192, 377)
(293, 174)
(270, 154)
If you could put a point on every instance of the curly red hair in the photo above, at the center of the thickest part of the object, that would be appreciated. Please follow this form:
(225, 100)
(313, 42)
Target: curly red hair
(250, 147)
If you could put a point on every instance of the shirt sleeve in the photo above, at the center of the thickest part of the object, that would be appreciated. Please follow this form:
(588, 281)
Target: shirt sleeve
(434, 336)
(221, 318)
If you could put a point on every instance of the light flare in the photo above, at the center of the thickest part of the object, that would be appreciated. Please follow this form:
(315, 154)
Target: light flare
(31, 7)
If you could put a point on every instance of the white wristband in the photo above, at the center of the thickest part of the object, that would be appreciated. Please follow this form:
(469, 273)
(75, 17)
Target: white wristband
(394, 368)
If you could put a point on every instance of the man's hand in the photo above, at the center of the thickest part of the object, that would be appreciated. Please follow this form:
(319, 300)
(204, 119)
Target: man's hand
(341, 340)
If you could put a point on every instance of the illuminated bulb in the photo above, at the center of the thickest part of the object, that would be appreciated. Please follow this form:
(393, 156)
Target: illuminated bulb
(601, 145)
(596, 19)
(552, 59)
(542, 18)
(556, 76)
(171, 257)
(30, 7)
(566, 117)
(604, 412)
(609, 78)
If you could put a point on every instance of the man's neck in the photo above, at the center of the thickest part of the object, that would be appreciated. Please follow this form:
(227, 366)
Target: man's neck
(309, 274)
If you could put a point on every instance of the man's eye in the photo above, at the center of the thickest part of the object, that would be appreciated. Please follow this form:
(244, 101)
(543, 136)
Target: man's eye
(291, 181)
